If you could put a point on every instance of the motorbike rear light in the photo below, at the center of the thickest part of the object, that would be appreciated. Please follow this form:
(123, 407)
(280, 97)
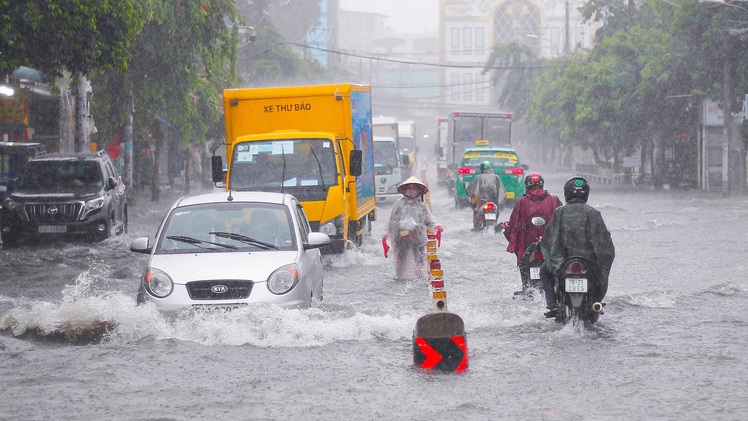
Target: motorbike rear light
(467, 170)
(514, 171)
(576, 268)
(437, 283)
(489, 207)
(537, 256)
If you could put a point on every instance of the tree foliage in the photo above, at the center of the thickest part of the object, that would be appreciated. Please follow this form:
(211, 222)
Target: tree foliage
(185, 56)
(649, 59)
(79, 36)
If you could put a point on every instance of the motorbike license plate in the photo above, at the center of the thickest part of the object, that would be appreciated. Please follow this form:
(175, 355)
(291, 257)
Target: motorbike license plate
(490, 216)
(217, 308)
(52, 229)
(535, 273)
(576, 284)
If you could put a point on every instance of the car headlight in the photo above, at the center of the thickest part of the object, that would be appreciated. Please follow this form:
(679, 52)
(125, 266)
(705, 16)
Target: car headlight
(10, 205)
(157, 283)
(94, 204)
(284, 279)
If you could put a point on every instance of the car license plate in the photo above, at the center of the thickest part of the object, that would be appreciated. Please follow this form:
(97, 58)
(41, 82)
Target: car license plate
(217, 308)
(491, 216)
(50, 229)
(576, 284)
(535, 273)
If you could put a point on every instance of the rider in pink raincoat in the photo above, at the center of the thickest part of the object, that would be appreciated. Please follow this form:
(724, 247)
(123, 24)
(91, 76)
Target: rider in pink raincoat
(407, 230)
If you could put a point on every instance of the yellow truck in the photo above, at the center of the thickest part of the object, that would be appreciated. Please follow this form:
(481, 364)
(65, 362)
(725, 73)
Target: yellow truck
(314, 142)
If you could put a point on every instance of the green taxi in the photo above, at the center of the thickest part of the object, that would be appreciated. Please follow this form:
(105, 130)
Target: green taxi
(505, 164)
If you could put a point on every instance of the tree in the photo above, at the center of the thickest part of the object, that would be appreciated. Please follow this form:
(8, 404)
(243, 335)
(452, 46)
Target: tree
(79, 36)
(185, 56)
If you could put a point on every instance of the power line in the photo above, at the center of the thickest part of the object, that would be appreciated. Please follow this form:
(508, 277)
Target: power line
(416, 63)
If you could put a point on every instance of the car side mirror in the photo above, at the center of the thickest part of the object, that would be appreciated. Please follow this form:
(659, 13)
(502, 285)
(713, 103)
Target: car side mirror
(356, 162)
(405, 159)
(111, 183)
(141, 245)
(317, 240)
(216, 168)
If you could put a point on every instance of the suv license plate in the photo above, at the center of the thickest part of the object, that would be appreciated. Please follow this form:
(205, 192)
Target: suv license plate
(535, 272)
(217, 308)
(49, 229)
(576, 284)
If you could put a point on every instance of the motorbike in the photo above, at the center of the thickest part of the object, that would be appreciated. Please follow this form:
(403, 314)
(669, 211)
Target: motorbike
(485, 214)
(530, 263)
(575, 288)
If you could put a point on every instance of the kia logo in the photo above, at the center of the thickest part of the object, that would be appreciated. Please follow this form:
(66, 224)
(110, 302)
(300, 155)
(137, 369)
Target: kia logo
(219, 289)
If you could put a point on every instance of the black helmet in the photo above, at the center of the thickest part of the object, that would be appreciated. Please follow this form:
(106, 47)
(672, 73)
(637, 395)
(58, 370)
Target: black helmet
(576, 189)
(534, 180)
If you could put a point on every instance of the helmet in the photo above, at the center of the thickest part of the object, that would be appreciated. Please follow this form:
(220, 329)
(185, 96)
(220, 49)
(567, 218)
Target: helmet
(534, 180)
(485, 166)
(576, 189)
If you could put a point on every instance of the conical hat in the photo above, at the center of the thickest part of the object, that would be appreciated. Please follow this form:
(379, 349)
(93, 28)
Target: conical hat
(412, 180)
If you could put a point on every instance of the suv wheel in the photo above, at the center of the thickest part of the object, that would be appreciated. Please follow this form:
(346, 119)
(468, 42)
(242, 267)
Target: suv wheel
(9, 240)
(103, 235)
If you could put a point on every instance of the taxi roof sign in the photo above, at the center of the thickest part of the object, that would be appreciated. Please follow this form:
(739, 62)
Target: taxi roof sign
(482, 143)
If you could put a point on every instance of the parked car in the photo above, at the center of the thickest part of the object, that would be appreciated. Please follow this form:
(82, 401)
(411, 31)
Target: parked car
(13, 159)
(505, 163)
(65, 195)
(222, 251)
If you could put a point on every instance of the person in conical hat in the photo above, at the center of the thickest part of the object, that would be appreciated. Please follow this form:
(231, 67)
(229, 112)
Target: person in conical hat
(415, 182)
(407, 229)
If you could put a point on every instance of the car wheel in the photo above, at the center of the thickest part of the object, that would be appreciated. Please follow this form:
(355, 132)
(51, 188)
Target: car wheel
(103, 235)
(123, 228)
(140, 298)
(9, 240)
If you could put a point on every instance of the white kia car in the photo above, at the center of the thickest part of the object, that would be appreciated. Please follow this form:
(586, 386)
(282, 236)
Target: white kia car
(222, 251)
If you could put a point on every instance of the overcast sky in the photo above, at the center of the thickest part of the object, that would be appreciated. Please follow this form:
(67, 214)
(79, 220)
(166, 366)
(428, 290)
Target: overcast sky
(405, 16)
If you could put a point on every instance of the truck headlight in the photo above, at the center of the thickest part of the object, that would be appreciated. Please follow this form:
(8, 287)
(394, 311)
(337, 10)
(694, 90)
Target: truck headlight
(94, 204)
(157, 283)
(284, 279)
(328, 228)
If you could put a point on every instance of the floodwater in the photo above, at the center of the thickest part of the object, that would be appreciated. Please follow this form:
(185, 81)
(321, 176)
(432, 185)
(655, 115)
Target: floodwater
(672, 344)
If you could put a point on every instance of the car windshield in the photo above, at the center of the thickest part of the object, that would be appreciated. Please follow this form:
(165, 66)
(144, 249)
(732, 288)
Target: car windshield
(497, 159)
(227, 227)
(283, 163)
(61, 174)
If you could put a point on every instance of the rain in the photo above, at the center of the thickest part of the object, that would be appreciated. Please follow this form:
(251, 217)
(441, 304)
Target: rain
(633, 99)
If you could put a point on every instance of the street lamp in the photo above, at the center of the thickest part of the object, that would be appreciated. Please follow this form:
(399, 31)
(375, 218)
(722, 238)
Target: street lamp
(533, 36)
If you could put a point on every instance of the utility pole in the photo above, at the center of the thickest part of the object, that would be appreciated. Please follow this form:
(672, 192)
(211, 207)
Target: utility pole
(566, 31)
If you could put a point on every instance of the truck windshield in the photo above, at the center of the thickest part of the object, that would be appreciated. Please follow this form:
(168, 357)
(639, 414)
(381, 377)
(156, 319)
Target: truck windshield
(283, 163)
(385, 154)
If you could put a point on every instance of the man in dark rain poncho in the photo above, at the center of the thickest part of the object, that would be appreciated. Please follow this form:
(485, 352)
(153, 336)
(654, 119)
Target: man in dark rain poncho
(575, 229)
(407, 229)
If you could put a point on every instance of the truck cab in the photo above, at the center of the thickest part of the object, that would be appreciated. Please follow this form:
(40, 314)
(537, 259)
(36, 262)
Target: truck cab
(387, 169)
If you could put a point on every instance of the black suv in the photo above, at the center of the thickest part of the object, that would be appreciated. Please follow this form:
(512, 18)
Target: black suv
(78, 194)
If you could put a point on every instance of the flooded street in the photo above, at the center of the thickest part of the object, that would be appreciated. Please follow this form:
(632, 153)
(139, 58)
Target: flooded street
(672, 344)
